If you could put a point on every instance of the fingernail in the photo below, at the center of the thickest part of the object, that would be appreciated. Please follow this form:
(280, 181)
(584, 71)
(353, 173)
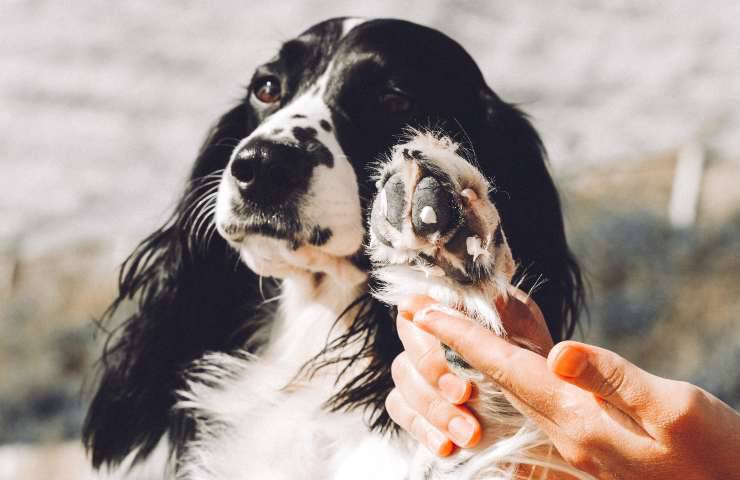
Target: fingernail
(570, 362)
(452, 387)
(462, 431)
(422, 314)
(438, 443)
(406, 315)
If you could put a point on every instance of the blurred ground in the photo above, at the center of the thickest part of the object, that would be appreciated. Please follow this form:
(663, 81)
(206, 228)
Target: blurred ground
(102, 107)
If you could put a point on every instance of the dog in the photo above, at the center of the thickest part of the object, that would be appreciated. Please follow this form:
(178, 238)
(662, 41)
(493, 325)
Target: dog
(367, 160)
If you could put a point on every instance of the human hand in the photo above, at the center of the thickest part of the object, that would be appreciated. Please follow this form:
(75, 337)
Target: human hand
(428, 399)
(605, 415)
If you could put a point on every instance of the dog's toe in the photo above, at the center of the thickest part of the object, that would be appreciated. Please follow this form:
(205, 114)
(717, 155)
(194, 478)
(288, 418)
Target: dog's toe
(432, 206)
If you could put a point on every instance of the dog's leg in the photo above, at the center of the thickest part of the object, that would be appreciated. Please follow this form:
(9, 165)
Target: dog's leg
(435, 232)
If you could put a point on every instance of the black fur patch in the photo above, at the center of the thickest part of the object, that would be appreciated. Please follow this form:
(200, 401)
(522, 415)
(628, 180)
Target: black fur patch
(304, 134)
(325, 125)
(360, 259)
(317, 151)
(412, 154)
(319, 236)
(318, 278)
(269, 230)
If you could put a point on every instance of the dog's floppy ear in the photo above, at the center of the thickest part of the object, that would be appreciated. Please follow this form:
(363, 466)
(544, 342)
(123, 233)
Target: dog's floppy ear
(190, 295)
(511, 153)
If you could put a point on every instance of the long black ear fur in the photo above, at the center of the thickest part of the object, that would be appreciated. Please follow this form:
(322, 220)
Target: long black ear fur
(511, 153)
(191, 296)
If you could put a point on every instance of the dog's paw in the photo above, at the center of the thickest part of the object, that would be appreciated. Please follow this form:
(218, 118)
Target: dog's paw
(434, 230)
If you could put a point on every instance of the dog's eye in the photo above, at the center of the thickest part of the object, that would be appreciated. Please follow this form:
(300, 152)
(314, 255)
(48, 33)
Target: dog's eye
(267, 90)
(395, 102)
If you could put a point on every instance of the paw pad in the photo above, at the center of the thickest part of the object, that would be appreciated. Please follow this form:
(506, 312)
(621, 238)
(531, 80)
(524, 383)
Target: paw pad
(432, 207)
(432, 215)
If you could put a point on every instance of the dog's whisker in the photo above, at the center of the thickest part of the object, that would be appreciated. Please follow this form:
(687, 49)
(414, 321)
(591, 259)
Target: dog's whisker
(213, 230)
(193, 224)
(199, 203)
(197, 191)
(193, 205)
(200, 242)
(196, 186)
(206, 195)
(204, 218)
(209, 230)
(206, 181)
(214, 174)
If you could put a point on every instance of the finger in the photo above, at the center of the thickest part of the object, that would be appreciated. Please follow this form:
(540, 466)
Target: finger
(416, 425)
(558, 408)
(523, 319)
(520, 372)
(415, 341)
(455, 421)
(427, 357)
(609, 376)
(414, 303)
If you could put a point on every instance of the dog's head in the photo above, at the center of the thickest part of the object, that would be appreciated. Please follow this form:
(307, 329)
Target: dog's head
(320, 112)
(286, 177)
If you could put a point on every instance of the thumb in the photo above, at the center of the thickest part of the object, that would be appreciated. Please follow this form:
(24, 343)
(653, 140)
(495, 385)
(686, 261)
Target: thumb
(608, 376)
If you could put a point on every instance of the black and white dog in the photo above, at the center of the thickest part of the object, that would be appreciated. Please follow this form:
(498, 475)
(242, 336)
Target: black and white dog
(241, 377)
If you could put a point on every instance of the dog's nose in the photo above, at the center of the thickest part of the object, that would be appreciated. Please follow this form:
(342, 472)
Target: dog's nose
(269, 173)
(244, 170)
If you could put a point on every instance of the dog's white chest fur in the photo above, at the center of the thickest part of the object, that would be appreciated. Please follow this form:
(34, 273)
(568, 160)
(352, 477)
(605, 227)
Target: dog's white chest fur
(256, 419)
(267, 433)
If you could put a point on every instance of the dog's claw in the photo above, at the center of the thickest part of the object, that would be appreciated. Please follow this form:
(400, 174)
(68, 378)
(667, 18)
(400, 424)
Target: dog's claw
(474, 247)
(469, 194)
(428, 215)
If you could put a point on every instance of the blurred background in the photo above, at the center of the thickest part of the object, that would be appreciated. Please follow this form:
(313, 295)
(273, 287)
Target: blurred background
(103, 106)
